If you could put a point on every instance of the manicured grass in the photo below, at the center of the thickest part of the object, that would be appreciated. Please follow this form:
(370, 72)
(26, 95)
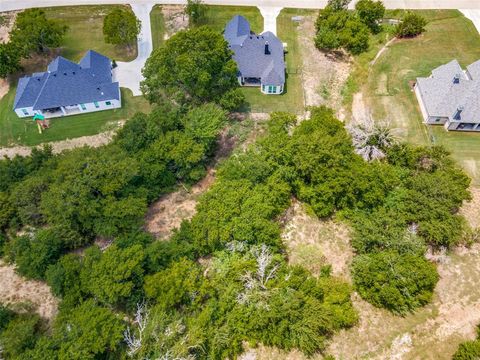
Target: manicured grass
(85, 32)
(16, 131)
(157, 23)
(218, 16)
(449, 36)
(292, 99)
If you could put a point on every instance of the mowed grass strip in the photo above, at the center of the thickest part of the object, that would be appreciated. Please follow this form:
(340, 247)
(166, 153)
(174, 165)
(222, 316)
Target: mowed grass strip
(157, 22)
(449, 36)
(16, 131)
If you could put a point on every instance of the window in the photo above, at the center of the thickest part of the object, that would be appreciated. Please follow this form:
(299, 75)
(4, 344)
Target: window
(96, 104)
(272, 89)
(437, 120)
(108, 103)
(25, 112)
(83, 106)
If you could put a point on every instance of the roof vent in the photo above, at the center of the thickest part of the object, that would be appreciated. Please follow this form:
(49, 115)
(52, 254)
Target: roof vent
(98, 88)
(65, 73)
(458, 113)
(73, 72)
(267, 49)
(456, 79)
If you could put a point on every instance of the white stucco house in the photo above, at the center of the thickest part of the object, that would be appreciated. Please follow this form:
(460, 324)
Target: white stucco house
(260, 58)
(451, 97)
(67, 88)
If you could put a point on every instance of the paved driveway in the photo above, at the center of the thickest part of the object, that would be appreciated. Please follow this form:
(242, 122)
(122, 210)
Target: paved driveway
(270, 18)
(129, 74)
(473, 15)
(307, 4)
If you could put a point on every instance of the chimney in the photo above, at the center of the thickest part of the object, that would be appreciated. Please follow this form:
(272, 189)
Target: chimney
(267, 50)
(456, 79)
(458, 113)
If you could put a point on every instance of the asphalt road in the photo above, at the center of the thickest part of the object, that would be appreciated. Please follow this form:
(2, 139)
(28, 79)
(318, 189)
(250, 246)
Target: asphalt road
(6, 5)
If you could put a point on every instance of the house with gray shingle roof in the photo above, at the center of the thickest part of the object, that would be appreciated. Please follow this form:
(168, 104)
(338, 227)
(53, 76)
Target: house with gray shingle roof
(260, 58)
(451, 96)
(67, 88)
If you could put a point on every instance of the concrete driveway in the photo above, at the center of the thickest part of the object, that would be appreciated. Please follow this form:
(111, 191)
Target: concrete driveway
(6, 5)
(270, 14)
(473, 15)
(129, 74)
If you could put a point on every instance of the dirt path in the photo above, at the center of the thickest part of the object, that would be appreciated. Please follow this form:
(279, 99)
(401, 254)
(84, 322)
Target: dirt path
(168, 212)
(15, 288)
(382, 50)
(323, 75)
(59, 146)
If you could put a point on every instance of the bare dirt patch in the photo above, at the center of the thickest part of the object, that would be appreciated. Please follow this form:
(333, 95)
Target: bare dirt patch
(324, 75)
(168, 212)
(15, 289)
(7, 20)
(313, 243)
(431, 333)
(175, 19)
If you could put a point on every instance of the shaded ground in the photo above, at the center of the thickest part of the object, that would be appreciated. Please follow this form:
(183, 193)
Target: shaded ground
(15, 288)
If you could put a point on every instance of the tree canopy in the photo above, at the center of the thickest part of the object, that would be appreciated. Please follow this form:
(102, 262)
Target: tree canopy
(33, 31)
(121, 27)
(192, 66)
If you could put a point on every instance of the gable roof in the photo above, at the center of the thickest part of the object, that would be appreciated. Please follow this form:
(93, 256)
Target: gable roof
(450, 89)
(237, 30)
(250, 55)
(66, 83)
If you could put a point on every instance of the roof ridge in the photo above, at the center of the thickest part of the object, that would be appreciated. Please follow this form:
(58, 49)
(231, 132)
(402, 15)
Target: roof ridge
(41, 90)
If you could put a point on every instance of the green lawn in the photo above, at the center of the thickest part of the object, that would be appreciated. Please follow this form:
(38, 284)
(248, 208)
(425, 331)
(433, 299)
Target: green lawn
(16, 131)
(85, 32)
(292, 99)
(218, 16)
(157, 23)
(387, 92)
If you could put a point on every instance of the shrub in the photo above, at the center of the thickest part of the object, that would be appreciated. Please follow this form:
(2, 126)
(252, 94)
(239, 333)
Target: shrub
(411, 25)
(400, 283)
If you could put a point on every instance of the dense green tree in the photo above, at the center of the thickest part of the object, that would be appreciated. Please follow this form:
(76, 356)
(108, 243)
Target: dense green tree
(180, 284)
(33, 253)
(341, 29)
(233, 100)
(400, 283)
(19, 335)
(33, 31)
(411, 25)
(116, 276)
(87, 332)
(5, 316)
(63, 278)
(196, 11)
(121, 27)
(7, 210)
(192, 66)
(370, 13)
(9, 59)
(204, 123)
